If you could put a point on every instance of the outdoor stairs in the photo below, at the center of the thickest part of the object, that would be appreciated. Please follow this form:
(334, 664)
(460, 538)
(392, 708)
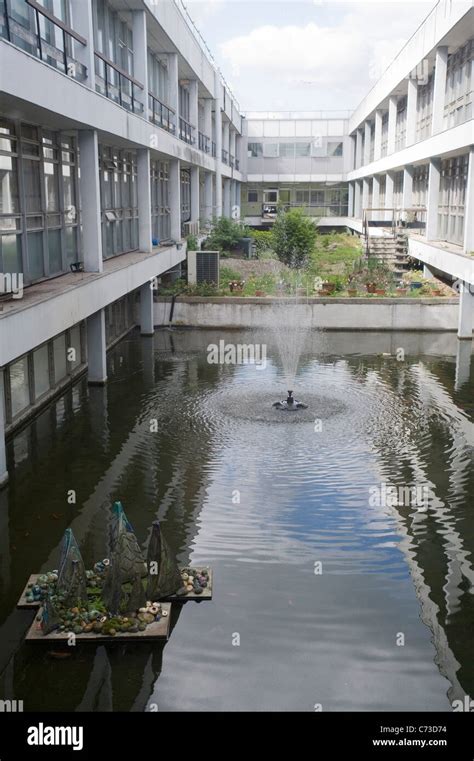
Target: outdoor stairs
(391, 249)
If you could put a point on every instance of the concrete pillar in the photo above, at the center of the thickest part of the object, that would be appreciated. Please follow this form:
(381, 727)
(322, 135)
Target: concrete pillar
(368, 131)
(194, 107)
(225, 136)
(3, 456)
(350, 204)
(195, 203)
(392, 124)
(378, 135)
(365, 193)
(463, 364)
(218, 125)
(439, 89)
(432, 200)
(375, 197)
(144, 200)
(232, 142)
(466, 311)
(357, 200)
(140, 58)
(90, 195)
(389, 185)
(238, 198)
(173, 84)
(238, 150)
(207, 126)
(407, 187)
(208, 205)
(359, 157)
(174, 183)
(426, 271)
(412, 97)
(96, 349)
(469, 208)
(147, 323)
(227, 203)
(83, 24)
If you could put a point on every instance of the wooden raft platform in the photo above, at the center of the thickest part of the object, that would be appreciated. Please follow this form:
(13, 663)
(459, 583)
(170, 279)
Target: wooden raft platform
(205, 595)
(157, 630)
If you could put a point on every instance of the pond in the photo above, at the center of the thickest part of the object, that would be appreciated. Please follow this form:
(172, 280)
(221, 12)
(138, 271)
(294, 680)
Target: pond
(328, 595)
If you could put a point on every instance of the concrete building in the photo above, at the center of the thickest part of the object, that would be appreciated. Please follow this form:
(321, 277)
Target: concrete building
(118, 137)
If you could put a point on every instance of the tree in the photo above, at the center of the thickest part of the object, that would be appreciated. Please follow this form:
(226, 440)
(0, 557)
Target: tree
(294, 236)
(225, 234)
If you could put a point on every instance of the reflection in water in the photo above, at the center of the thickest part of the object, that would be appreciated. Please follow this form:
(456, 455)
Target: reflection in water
(269, 504)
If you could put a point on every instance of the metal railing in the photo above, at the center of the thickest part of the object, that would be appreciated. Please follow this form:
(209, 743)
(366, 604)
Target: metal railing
(186, 131)
(117, 91)
(204, 143)
(37, 45)
(225, 156)
(161, 114)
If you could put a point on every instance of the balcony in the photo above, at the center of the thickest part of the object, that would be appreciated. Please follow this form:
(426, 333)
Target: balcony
(204, 143)
(225, 157)
(186, 131)
(37, 39)
(117, 84)
(161, 115)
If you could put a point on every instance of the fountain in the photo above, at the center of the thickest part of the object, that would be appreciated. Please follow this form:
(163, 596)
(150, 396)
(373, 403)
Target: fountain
(290, 403)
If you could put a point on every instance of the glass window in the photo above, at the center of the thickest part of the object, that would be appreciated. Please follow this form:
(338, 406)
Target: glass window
(10, 252)
(41, 371)
(31, 180)
(8, 185)
(334, 149)
(51, 186)
(54, 251)
(270, 150)
(255, 150)
(317, 198)
(252, 196)
(74, 358)
(19, 388)
(35, 255)
(59, 351)
(302, 196)
(303, 149)
(287, 150)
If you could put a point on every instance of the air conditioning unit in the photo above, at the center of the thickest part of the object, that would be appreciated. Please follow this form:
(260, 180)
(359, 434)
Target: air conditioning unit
(203, 267)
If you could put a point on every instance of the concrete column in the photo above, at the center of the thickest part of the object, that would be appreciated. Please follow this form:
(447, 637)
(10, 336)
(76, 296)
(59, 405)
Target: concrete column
(463, 364)
(365, 193)
(144, 200)
(426, 271)
(174, 183)
(140, 58)
(232, 142)
(218, 125)
(208, 206)
(208, 118)
(82, 23)
(378, 135)
(466, 311)
(350, 204)
(147, 327)
(90, 195)
(392, 124)
(376, 197)
(412, 97)
(407, 187)
(238, 198)
(439, 89)
(225, 136)
(173, 84)
(195, 204)
(238, 150)
(389, 184)
(432, 200)
(227, 202)
(194, 107)
(96, 351)
(368, 131)
(3, 456)
(469, 207)
(357, 200)
(359, 157)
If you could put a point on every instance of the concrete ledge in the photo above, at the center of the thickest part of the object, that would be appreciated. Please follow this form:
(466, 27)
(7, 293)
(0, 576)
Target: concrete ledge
(424, 314)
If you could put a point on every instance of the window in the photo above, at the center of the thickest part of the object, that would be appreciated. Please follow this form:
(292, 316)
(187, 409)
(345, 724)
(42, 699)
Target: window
(335, 149)
(302, 196)
(287, 150)
(270, 150)
(303, 149)
(317, 198)
(119, 203)
(252, 196)
(59, 353)
(160, 211)
(41, 371)
(270, 196)
(19, 387)
(255, 150)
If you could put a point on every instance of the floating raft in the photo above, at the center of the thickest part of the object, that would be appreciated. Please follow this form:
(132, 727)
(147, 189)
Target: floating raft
(206, 594)
(156, 630)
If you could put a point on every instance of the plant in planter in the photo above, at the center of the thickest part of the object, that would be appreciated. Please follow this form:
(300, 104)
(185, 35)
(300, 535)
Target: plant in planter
(401, 291)
(352, 291)
(380, 291)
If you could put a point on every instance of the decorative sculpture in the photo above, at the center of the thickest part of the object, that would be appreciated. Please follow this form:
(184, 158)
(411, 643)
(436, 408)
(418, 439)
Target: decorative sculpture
(164, 577)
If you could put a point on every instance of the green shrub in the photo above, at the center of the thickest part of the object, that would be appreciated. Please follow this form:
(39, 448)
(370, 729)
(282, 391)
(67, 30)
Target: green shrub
(294, 235)
(263, 240)
(225, 235)
(192, 243)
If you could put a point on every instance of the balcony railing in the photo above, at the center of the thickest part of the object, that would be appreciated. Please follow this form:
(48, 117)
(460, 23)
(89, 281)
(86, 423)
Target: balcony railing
(204, 143)
(237, 164)
(232, 161)
(213, 149)
(36, 41)
(161, 115)
(225, 156)
(117, 84)
(186, 131)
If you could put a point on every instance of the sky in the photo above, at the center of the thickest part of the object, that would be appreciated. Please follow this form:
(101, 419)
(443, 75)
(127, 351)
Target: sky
(281, 55)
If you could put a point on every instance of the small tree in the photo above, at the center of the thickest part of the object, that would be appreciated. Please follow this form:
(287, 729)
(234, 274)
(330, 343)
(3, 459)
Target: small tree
(294, 236)
(225, 234)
